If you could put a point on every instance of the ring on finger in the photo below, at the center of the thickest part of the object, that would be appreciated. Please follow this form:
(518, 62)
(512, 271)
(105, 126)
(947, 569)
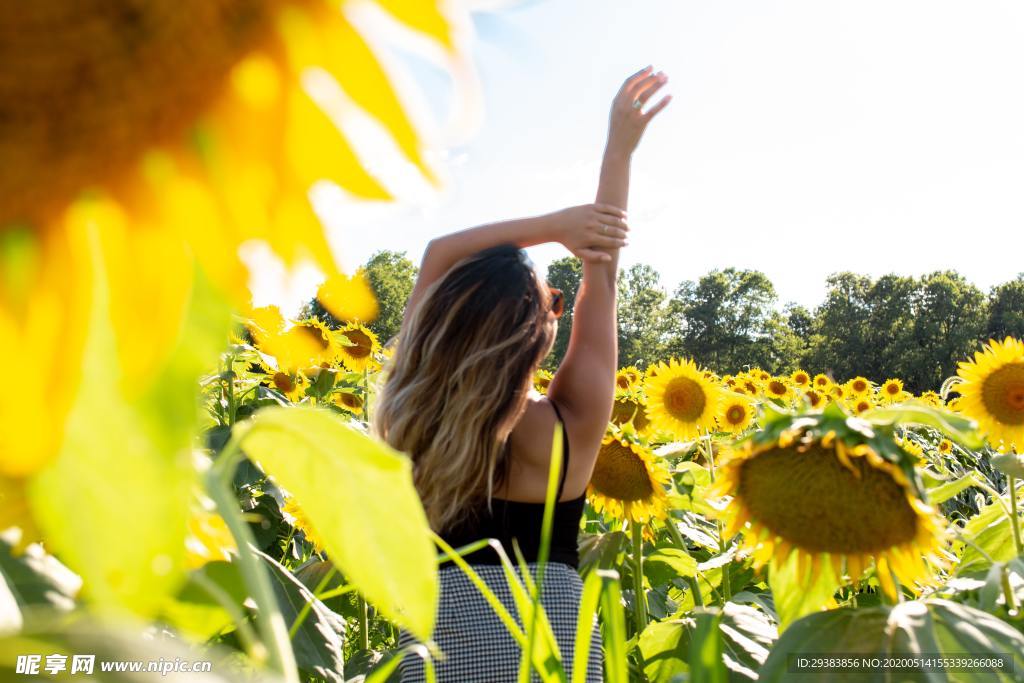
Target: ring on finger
(637, 103)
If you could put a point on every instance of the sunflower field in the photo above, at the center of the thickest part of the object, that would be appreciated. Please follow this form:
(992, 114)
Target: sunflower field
(189, 480)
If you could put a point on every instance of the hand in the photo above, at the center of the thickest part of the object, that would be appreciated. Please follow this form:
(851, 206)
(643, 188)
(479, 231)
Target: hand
(628, 122)
(589, 231)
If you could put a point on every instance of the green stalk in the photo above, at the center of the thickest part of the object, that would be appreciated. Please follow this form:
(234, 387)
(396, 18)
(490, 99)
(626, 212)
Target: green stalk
(640, 600)
(269, 621)
(698, 599)
(709, 453)
(1014, 517)
(252, 646)
(364, 612)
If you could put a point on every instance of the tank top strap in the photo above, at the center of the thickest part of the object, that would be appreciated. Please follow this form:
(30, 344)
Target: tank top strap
(565, 451)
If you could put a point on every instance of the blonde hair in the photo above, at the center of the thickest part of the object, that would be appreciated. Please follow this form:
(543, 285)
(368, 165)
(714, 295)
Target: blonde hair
(459, 378)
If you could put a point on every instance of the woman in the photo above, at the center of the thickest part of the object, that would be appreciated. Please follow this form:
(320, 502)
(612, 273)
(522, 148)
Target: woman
(458, 398)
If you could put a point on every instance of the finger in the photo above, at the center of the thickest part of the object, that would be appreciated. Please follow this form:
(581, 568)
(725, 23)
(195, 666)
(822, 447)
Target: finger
(652, 87)
(606, 241)
(658, 107)
(638, 74)
(612, 224)
(611, 210)
(643, 83)
(610, 231)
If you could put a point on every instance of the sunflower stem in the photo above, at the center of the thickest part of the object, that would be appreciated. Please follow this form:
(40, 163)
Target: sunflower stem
(673, 530)
(269, 620)
(723, 543)
(1014, 517)
(640, 599)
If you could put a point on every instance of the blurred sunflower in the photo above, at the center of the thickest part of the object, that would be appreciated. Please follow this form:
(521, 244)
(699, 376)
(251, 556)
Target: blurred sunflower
(156, 138)
(542, 380)
(815, 399)
(800, 379)
(681, 400)
(290, 383)
(735, 414)
(778, 388)
(629, 481)
(932, 399)
(302, 523)
(837, 392)
(629, 409)
(350, 401)
(992, 390)
(861, 405)
(859, 386)
(945, 447)
(752, 386)
(830, 502)
(307, 342)
(357, 346)
(822, 382)
(891, 391)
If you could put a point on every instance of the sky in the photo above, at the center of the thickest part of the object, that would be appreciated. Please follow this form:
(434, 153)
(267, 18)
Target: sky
(804, 138)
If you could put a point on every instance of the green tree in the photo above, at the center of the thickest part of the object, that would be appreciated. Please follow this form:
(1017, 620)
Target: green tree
(727, 320)
(641, 316)
(566, 274)
(1006, 310)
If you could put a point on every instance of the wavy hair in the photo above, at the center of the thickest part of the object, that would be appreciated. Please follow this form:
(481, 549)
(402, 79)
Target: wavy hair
(458, 381)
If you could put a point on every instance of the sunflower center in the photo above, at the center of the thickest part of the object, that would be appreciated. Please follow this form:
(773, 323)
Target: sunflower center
(622, 382)
(1003, 394)
(860, 385)
(735, 414)
(314, 335)
(776, 387)
(684, 399)
(361, 341)
(621, 474)
(811, 500)
(283, 382)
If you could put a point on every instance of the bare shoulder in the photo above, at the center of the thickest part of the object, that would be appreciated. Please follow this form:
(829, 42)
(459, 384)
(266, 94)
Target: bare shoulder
(531, 449)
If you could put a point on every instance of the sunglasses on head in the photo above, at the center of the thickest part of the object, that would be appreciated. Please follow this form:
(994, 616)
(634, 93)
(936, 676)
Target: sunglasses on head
(557, 302)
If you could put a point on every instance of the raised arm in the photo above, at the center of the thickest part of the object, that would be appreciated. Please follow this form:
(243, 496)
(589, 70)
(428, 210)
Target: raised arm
(579, 228)
(585, 381)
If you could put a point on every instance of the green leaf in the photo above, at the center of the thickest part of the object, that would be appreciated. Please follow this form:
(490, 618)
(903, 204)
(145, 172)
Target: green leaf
(319, 640)
(109, 642)
(665, 564)
(946, 490)
(989, 530)
(1010, 464)
(195, 612)
(358, 493)
(34, 579)
(911, 629)
(600, 551)
(739, 639)
(959, 428)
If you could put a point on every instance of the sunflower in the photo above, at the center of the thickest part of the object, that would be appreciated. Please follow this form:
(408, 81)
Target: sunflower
(800, 379)
(945, 447)
(541, 380)
(307, 342)
(837, 392)
(628, 481)
(992, 390)
(777, 388)
(804, 490)
(859, 386)
(681, 400)
(822, 382)
(815, 399)
(932, 399)
(735, 414)
(629, 408)
(302, 523)
(627, 378)
(291, 384)
(861, 405)
(350, 401)
(156, 138)
(752, 386)
(891, 391)
(357, 346)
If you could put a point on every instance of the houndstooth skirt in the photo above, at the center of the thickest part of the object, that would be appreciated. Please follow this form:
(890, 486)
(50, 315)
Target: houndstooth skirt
(478, 647)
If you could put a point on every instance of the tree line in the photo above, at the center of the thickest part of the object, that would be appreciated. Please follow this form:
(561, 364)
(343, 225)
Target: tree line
(913, 328)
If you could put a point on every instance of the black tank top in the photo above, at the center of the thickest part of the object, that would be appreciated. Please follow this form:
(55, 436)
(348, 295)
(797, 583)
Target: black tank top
(514, 519)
